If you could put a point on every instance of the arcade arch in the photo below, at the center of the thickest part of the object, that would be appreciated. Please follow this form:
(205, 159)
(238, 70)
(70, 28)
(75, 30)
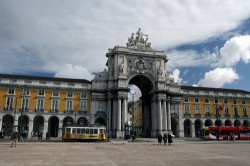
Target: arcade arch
(38, 124)
(208, 122)
(53, 126)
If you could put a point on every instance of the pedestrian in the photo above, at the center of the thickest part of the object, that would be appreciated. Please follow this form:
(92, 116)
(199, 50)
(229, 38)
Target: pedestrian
(169, 139)
(14, 138)
(159, 139)
(165, 138)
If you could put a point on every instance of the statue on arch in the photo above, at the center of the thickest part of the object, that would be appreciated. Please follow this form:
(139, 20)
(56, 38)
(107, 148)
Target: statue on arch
(139, 37)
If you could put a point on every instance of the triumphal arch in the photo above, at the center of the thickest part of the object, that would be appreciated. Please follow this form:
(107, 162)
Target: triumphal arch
(137, 63)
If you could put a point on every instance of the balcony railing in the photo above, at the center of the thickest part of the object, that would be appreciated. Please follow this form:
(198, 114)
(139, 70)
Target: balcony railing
(207, 114)
(54, 111)
(187, 115)
(39, 110)
(82, 112)
(197, 115)
(245, 116)
(8, 109)
(68, 111)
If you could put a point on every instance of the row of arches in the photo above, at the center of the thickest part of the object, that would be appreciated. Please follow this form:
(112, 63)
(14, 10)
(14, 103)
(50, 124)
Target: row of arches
(198, 124)
(39, 123)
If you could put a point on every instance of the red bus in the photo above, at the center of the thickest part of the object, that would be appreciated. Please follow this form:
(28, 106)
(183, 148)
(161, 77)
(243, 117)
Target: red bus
(225, 133)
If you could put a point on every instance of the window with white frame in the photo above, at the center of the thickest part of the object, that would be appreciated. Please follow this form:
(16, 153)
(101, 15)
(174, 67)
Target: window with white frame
(207, 109)
(55, 93)
(54, 105)
(206, 100)
(216, 101)
(70, 94)
(101, 106)
(243, 102)
(244, 110)
(25, 104)
(186, 100)
(26, 92)
(197, 109)
(226, 110)
(196, 100)
(41, 92)
(11, 91)
(69, 105)
(235, 111)
(83, 105)
(83, 95)
(225, 101)
(40, 104)
(186, 109)
(9, 103)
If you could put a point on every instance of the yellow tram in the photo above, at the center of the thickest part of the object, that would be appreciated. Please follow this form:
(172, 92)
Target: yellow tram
(78, 133)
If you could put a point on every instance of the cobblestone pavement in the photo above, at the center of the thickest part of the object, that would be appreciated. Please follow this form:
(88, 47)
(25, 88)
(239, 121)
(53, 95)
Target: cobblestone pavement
(144, 152)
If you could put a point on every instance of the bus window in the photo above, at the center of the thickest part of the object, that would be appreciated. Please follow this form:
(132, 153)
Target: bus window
(91, 131)
(78, 131)
(83, 131)
(95, 131)
(87, 131)
(202, 132)
(214, 132)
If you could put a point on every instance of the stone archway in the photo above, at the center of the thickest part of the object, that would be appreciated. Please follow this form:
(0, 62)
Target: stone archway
(144, 67)
(237, 122)
(197, 127)
(187, 128)
(23, 123)
(7, 124)
(175, 127)
(38, 124)
(53, 126)
(208, 122)
(100, 121)
(228, 123)
(218, 122)
(82, 121)
(246, 123)
(68, 121)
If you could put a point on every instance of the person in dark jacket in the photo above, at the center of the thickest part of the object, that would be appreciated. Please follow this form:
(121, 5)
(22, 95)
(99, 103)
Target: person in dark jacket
(165, 138)
(159, 139)
(14, 138)
(169, 139)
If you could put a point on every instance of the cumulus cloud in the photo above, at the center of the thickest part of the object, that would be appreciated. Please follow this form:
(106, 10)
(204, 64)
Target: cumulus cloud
(176, 76)
(134, 90)
(80, 32)
(235, 50)
(218, 77)
(70, 71)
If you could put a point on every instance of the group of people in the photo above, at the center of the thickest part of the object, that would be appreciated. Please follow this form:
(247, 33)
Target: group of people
(167, 138)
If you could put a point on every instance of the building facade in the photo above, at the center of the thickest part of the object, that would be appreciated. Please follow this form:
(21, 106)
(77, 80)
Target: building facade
(48, 104)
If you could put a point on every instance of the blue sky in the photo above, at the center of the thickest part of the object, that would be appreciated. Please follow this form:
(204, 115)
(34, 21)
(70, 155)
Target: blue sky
(207, 42)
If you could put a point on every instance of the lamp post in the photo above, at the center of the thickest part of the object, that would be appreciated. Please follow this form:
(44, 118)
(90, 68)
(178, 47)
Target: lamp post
(15, 111)
(217, 119)
(236, 118)
(133, 112)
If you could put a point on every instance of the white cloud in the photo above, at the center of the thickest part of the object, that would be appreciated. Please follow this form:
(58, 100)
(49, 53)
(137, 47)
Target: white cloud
(43, 35)
(176, 76)
(70, 71)
(218, 77)
(134, 90)
(235, 50)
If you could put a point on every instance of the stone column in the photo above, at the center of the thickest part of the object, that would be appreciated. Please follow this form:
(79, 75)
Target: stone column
(45, 128)
(164, 121)
(109, 116)
(119, 115)
(1, 124)
(114, 112)
(169, 117)
(60, 128)
(124, 112)
(192, 130)
(30, 129)
(159, 116)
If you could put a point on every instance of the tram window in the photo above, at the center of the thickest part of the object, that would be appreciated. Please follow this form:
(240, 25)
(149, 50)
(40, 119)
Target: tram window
(101, 131)
(207, 132)
(67, 130)
(213, 132)
(83, 131)
(87, 131)
(91, 131)
(78, 131)
(74, 130)
(95, 131)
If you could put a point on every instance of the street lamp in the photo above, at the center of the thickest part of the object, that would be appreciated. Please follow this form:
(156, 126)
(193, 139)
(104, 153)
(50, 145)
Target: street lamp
(236, 118)
(133, 112)
(217, 118)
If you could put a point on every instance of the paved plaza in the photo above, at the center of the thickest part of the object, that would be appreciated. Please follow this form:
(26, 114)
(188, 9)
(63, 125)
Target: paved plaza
(144, 152)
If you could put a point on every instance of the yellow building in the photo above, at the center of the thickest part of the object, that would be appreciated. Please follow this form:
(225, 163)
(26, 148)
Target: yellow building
(45, 104)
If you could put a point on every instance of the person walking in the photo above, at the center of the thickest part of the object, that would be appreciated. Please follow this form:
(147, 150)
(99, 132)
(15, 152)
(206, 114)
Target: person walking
(165, 138)
(14, 138)
(169, 139)
(159, 139)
